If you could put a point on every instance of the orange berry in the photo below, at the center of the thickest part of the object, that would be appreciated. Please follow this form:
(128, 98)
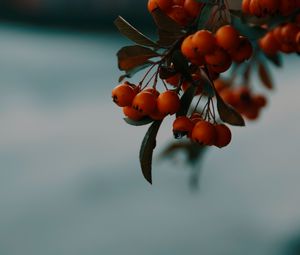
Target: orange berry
(152, 5)
(178, 13)
(289, 33)
(223, 137)
(259, 100)
(164, 5)
(144, 102)
(174, 80)
(219, 60)
(187, 48)
(286, 7)
(287, 48)
(227, 37)
(255, 8)
(152, 91)
(204, 42)
(156, 115)
(178, 2)
(228, 96)
(132, 113)
(123, 95)
(168, 102)
(220, 85)
(243, 52)
(269, 6)
(204, 133)
(252, 113)
(192, 7)
(182, 125)
(246, 6)
(269, 44)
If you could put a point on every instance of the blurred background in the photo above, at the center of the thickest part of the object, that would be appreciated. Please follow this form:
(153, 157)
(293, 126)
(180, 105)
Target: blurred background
(70, 182)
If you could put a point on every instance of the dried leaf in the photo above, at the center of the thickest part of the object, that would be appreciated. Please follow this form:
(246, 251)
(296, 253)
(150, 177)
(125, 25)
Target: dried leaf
(130, 57)
(265, 76)
(227, 113)
(133, 34)
(146, 151)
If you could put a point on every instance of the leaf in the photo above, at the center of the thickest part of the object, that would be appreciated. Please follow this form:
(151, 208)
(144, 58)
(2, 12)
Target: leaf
(265, 76)
(166, 72)
(167, 38)
(227, 113)
(275, 59)
(181, 64)
(130, 57)
(133, 34)
(251, 32)
(208, 86)
(194, 151)
(186, 101)
(146, 151)
(133, 71)
(137, 123)
(165, 23)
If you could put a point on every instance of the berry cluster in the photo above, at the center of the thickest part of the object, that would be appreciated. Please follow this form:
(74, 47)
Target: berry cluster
(216, 51)
(182, 11)
(284, 38)
(242, 99)
(263, 8)
(202, 131)
(138, 104)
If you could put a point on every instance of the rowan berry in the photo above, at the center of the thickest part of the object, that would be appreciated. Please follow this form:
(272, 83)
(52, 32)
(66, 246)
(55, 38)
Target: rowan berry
(182, 126)
(204, 133)
(269, 44)
(269, 7)
(227, 37)
(286, 7)
(243, 52)
(219, 60)
(223, 135)
(123, 95)
(132, 113)
(255, 8)
(204, 42)
(179, 14)
(192, 7)
(188, 49)
(246, 6)
(168, 102)
(259, 100)
(144, 102)
(152, 91)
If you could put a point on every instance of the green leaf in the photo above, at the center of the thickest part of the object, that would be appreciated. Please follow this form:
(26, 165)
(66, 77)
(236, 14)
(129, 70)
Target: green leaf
(133, 71)
(205, 15)
(146, 151)
(227, 113)
(133, 34)
(186, 100)
(130, 57)
(142, 122)
(251, 32)
(265, 76)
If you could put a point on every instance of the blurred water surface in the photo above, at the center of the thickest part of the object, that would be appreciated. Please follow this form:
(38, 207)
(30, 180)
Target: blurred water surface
(69, 176)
